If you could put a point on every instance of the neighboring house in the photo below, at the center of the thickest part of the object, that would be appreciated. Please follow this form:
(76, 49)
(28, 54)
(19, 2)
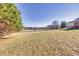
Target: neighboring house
(73, 24)
(49, 26)
(76, 23)
(70, 25)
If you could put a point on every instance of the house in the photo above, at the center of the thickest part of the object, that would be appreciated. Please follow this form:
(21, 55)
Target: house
(49, 26)
(73, 24)
(76, 23)
(70, 25)
(52, 26)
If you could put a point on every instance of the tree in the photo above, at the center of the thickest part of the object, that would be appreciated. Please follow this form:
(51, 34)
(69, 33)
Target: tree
(63, 24)
(55, 24)
(9, 11)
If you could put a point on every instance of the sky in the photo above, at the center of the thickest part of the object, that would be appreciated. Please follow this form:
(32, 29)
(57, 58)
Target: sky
(42, 14)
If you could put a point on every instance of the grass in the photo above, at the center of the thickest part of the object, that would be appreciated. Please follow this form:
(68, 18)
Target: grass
(41, 43)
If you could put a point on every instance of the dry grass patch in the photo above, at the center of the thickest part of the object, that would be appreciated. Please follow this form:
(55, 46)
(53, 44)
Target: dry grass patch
(54, 42)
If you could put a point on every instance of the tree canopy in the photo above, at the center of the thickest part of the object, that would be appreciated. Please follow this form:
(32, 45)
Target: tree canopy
(55, 24)
(9, 11)
(63, 24)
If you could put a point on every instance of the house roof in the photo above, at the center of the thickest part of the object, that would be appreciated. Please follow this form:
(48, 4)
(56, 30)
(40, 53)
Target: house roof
(70, 21)
(77, 18)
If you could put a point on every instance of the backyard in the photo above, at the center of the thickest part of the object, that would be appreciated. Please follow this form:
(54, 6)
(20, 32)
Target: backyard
(41, 43)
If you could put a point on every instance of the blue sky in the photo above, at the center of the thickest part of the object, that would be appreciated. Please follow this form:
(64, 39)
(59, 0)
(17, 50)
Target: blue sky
(42, 14)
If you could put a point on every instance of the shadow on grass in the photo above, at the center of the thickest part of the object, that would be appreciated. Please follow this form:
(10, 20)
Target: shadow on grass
(7, 38)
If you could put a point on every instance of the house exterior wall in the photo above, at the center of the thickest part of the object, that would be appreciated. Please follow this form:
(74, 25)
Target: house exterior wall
(70, 24)
(76, 24)
(73, 24)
